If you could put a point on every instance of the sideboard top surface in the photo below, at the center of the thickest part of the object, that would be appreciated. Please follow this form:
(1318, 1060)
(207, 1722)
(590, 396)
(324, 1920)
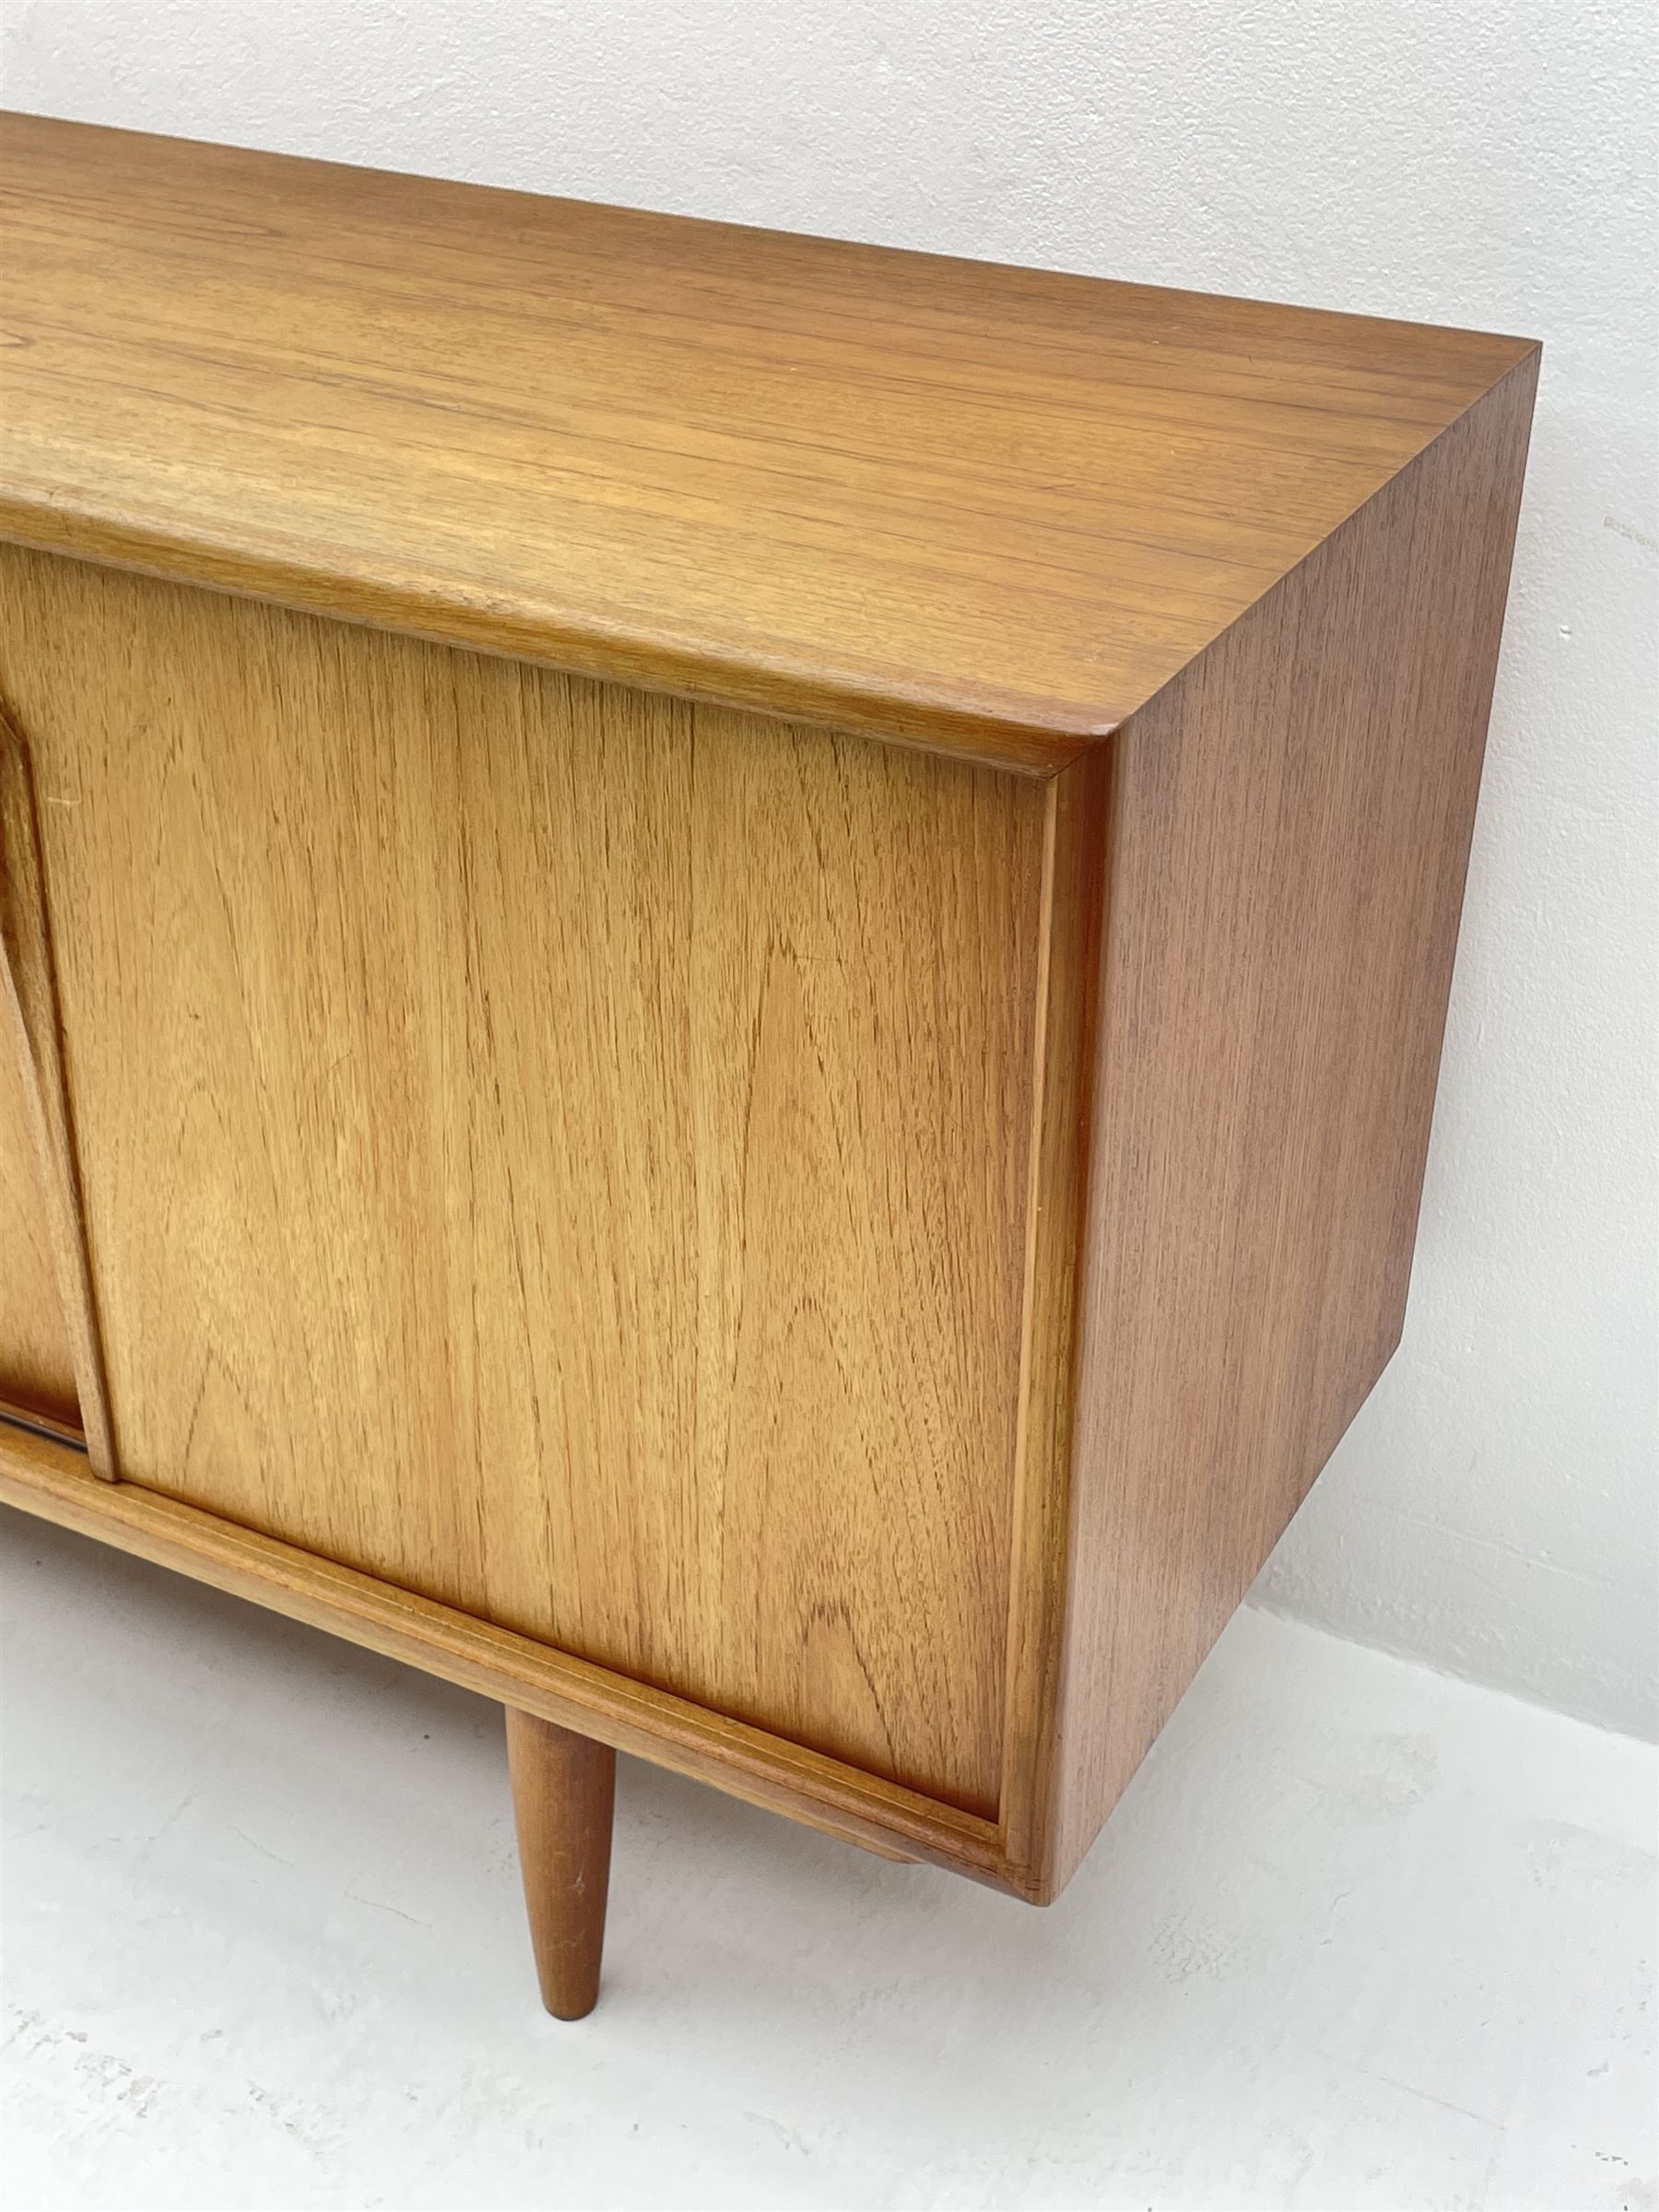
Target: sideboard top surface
(987, 509)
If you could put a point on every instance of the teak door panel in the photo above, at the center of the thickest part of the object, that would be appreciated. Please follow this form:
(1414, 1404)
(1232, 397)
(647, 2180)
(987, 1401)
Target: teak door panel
(558, 1148)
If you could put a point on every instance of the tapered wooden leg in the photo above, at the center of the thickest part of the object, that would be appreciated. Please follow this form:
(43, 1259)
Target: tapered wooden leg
(563, 1792)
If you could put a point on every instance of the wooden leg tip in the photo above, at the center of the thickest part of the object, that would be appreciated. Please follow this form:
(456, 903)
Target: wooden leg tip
(563, 1799)
(569, 2010)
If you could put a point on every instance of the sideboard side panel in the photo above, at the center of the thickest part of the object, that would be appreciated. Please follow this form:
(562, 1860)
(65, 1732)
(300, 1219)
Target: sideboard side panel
(558, 1150)
(1289, 829)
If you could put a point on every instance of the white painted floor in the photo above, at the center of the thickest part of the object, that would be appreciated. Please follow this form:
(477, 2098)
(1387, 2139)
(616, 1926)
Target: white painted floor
(1359, 1935)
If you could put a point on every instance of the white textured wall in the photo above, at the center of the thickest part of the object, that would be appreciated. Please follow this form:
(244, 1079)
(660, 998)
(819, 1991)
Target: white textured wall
(1490, 163)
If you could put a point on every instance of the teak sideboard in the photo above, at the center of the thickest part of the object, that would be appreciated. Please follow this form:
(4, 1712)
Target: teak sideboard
(724, 958)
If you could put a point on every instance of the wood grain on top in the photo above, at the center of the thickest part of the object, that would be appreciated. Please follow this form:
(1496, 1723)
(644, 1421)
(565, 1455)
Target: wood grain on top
(987, 509)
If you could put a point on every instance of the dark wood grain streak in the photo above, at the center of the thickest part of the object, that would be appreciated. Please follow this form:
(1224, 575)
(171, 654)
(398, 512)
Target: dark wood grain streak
(30, 1011)
(37, 1365)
